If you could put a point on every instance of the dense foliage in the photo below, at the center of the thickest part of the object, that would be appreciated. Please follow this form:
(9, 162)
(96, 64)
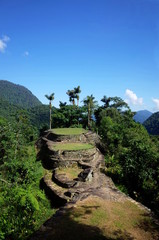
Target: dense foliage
(17, 95)
(39, 116)
(23, 205)
(69, 116)
(9, 111)
(132, 158)
(152, 124)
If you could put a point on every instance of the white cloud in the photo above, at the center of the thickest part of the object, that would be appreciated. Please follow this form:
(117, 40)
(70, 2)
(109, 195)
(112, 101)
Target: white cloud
(156, 101)
(3, 43)
(26, 53)
(131, 98)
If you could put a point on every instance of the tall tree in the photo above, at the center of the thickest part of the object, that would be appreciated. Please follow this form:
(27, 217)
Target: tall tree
(114, 102)
(50, 98)
(62, 104)
(118, 103)
(91, 104)
(106, 100)
(77, 91)
(71, 95)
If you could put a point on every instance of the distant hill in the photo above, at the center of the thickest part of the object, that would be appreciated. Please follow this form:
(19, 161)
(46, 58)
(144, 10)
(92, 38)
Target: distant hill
(142, 116)
(17, 95)
(152, 124)
(38, 116)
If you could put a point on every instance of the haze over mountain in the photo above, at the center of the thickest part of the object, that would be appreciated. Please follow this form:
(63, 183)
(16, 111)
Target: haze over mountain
(142, 116)
(17, 95)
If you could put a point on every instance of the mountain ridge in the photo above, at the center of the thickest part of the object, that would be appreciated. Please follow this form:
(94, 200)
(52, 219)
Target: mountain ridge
(18, 95)
(142, 115)
(152, 124)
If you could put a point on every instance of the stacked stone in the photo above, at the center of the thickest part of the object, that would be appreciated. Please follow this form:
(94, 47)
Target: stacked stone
(58, 187)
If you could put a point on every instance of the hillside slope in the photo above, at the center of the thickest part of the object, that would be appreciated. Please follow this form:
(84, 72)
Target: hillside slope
(152, 124)
(142, 116)
(17, 95)
(38, 116)
(8, 110)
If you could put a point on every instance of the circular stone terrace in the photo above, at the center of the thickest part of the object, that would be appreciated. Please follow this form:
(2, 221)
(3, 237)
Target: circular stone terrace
(71, 151)
(71, 146)
(68, 131)
(66, 134)
(60, 147)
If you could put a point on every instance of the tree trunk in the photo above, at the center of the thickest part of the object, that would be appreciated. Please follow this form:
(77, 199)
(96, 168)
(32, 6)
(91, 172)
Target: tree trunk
(50, 115)
(89, 116)
(77, 100)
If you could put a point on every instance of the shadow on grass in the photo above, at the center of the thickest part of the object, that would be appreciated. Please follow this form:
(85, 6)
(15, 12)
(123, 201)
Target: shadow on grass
(66, 226)
(150, 224)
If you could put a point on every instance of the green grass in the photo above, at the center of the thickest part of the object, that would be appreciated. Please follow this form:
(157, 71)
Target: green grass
(70, 172)
(96, 219)
(114, 219)
(68, 131)
(71, 146)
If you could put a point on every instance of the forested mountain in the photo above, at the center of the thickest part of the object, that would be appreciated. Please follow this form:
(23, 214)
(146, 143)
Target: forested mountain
(142, 116)
(39, 115)
(8, 111)
(152, 124)
(17, 95)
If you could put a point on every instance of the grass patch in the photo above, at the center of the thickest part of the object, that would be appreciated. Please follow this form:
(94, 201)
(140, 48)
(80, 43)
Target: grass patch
(98, 219)
(68, 131)
(116, 220)
(71, 146)
(70, 172)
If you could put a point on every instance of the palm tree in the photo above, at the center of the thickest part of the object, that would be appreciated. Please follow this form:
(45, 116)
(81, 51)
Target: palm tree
(50, 98)
(62, 104)
(71, 95)
(90, 104)
(77, 91)
(106, 100)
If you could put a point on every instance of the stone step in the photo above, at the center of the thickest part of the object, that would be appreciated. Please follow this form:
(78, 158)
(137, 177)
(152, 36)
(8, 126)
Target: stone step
(60, 194)
(62, 181)
(55, 193)
(97, 161)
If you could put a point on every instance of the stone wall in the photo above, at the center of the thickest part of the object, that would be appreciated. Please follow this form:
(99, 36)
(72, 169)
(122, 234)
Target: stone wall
(64, 138)
(64, 158)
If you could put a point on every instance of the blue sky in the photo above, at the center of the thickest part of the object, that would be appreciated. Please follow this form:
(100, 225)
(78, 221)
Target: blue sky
(108, 47)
